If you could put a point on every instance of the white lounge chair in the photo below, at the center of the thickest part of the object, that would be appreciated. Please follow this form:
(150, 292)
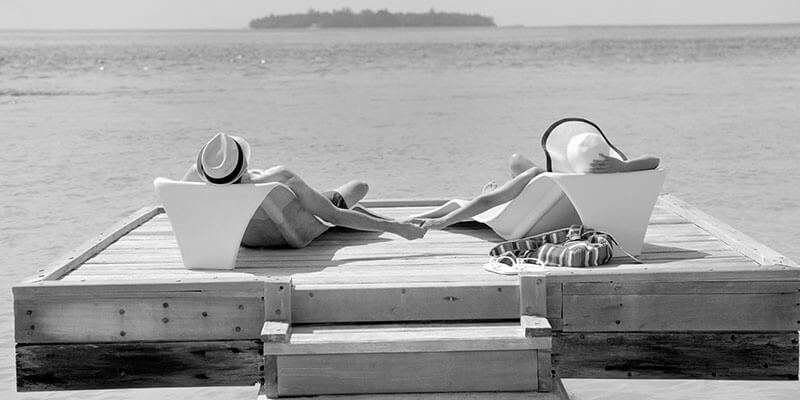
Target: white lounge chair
(619, 204)
(209, 220)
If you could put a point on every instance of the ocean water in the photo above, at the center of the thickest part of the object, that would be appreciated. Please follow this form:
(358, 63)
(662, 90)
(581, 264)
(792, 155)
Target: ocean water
(88, 119)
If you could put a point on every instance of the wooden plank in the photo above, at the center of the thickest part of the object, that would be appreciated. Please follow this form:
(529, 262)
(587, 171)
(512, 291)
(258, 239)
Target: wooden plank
(544, 369)
(415, 301)
(138, 365)
(270, 387)
(747, 245)
(683, 312)
(244, 286)
(534, 326)
(278, 299)
(93, 246)
(679, 287)
(396, 338)
(407, 373)
(404, 302)
(685, 355)
(276, 332)
(533, 294)
(168, 318)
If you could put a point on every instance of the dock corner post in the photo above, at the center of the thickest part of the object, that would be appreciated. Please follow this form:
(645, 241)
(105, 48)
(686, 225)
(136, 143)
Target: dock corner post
(533, 319)
(277, 326)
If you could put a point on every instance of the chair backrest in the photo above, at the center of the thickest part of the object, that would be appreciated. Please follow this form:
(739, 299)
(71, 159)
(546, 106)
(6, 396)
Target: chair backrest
(209, 220)
(619, 204)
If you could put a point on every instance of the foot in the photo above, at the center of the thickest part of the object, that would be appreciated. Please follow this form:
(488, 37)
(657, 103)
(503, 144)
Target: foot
(489, 187)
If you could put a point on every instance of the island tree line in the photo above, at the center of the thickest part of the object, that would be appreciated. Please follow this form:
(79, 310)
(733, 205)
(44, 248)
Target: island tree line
(346, 18)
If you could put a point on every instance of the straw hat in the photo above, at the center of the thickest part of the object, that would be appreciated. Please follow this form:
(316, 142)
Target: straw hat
(571, 144)
(223, 159)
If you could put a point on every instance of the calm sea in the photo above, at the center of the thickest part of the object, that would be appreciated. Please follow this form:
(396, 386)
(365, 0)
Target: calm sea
(88, 119)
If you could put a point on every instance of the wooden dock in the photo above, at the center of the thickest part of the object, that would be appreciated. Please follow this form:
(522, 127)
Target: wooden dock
(361, 312)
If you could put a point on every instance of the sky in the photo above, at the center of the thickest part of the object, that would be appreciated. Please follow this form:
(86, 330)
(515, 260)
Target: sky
(235, 14)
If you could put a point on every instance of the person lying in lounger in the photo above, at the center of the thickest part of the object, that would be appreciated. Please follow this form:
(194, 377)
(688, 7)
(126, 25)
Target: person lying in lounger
(572, 145)
(225, 159)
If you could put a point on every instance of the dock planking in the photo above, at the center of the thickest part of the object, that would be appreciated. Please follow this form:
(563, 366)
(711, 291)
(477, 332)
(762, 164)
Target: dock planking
(704, 281)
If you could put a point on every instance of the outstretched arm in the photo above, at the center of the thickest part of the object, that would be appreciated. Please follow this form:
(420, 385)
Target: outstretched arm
(507, 192)
(317, 204)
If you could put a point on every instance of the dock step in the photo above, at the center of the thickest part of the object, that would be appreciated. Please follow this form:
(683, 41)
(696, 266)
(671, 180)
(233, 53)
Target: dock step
(408, 358)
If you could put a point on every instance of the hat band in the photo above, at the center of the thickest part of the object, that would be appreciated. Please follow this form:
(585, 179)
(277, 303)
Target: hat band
(230, 178)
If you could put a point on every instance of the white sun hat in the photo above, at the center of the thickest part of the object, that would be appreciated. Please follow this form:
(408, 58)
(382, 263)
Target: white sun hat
(223, 159)
(571, 144)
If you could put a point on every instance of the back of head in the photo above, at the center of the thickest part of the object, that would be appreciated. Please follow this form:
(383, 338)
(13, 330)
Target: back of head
(224, 159)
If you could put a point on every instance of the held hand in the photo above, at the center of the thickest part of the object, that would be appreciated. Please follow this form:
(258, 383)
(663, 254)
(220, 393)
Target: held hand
(433, 223)
(607, 165)
(410, 231)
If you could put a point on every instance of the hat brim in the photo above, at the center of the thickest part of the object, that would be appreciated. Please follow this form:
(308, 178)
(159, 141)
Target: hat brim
(556, 138)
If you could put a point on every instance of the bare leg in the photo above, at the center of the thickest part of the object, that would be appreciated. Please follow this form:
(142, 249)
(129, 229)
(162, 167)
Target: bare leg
(353, 192)
(518, 164)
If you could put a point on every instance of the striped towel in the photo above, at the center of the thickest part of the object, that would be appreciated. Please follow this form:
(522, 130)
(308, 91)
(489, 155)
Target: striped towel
(567, 247)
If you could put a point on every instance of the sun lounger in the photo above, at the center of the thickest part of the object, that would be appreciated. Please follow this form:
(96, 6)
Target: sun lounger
(209, 220)
(619, 204)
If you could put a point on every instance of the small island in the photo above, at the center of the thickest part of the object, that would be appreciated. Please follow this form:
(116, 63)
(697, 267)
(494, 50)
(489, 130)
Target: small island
(346, 18)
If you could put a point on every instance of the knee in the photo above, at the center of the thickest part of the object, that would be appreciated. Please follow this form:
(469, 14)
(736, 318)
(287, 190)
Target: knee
(517, 160)
(360, 188)
(284, 173)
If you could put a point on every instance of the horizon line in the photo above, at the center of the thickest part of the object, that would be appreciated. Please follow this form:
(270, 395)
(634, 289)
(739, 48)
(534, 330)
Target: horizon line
(247, 28)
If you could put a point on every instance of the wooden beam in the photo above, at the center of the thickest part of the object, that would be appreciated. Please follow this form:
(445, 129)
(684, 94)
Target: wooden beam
(95, 245)
(49, 312)
(276, 332)
(747, 245)
(407, 373)
(398, 301)
(534, 326)
(533, 294)
(138, 365)
(682, 312)
(278, 299)
(406, 338)
(682, 355)
(544, 369)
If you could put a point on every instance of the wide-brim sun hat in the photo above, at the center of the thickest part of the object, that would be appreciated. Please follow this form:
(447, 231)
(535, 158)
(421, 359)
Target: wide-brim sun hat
(224, 159)
(571, 144)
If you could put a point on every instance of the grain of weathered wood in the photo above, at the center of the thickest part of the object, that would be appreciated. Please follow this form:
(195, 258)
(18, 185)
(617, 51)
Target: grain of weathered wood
(93, 319)
(278, 299)
(93, 246)
(410, 338)
(273, 331)
(544, 369)
(534, 326)
(407, 373)
(413, 301)
(660, 355)
(747, 245)
(138, 365)
(270, 387)
(683, 312)
(678, 287)
(533, 294)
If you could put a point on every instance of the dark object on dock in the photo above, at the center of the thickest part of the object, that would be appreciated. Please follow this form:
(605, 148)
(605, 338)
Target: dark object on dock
(122, 311)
